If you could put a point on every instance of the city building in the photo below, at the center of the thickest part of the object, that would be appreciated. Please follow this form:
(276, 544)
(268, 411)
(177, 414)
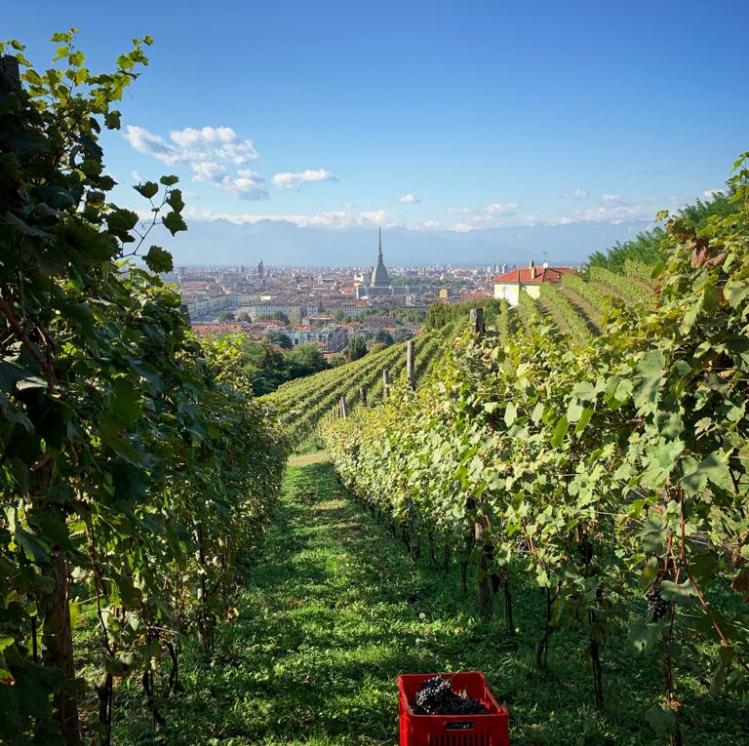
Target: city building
(320, 296)
(380, 288)
(379, 280)
(331, 338)
(508, 285)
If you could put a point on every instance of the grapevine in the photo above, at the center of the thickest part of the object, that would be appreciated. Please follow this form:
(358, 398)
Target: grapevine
(632, 291)
(139, 471)
(616, 464)
(564, 314)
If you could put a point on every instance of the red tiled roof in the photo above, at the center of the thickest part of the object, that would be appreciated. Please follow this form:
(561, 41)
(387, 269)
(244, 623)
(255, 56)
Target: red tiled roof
(220, 328)
(533, 275)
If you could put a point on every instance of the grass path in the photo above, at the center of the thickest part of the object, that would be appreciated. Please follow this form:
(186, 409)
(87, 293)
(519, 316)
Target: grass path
(334, 610)
(305, 459)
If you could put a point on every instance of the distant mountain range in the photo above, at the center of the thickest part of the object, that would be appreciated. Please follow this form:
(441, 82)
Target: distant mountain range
(220, 242)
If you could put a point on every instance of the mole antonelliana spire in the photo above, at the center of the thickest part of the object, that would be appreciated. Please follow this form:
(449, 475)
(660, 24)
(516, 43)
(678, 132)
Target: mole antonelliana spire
(380, 277)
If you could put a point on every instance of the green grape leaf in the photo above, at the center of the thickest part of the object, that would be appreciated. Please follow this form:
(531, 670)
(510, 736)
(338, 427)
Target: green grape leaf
(585, 417)
(560, 431)
(174, 223)
(174, 200)
(649, 374)
(125, 402)
(148, 189)
(120, 222)
(662, 721)
(736, 292)
(644, 636)
(574, 411)
(31, 545)
(680, 593)
(159, 260)
(112, 120)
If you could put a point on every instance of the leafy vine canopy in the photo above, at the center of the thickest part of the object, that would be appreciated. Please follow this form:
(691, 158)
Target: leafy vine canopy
(125, 497)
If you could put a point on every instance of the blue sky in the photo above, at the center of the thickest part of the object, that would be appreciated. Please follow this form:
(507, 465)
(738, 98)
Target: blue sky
(489, 114)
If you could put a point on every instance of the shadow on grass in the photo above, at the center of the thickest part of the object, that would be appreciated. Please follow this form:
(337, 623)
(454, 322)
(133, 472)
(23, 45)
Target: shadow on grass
(334, 610)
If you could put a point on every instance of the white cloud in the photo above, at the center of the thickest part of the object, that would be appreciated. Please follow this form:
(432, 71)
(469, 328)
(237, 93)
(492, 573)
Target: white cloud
(710, 193)
(190, 145)
(502, 208)
(376, 217)
(289, 180)
(613, 208)
(214, 143)
(427, 225)
(208, 151)
(409, 199)
(493, 215)
(208, 171)
(616, 208)
(334, 219)
(247, 185)
(576, 195)
(146, 142)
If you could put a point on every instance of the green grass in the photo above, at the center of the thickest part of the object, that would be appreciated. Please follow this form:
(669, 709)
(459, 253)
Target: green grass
(332, 612)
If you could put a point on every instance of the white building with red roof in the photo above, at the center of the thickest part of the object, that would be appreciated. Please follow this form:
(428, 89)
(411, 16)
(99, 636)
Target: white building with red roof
(508, 285)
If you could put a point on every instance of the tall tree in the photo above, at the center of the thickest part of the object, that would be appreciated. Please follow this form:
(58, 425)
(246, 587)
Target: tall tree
(356, 348)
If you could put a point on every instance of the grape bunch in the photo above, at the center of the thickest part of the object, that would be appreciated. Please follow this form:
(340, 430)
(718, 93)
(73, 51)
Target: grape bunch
(436, 697)
(658, 607)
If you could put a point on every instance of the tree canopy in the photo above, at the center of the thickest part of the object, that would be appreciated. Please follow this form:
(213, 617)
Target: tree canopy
(356, 348)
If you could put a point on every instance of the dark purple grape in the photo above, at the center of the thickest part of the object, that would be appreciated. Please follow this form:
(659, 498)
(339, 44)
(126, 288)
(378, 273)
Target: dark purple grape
(658, 607)
(436, 697)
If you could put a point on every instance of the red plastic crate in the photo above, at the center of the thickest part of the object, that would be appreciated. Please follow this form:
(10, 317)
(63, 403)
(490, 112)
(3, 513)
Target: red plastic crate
(491, 729)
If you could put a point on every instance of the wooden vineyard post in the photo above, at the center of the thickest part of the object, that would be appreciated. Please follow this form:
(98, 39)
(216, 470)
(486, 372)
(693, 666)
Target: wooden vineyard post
(477, 321)
(485, 590)
(410, 364)
(363, 396)
(485, 549)
(414, 538)
(384, 383)
(343, 407)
